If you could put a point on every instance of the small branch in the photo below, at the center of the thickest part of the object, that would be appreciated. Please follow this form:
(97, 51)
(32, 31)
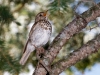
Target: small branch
(72, 28)
(92, 13)
(87, 49)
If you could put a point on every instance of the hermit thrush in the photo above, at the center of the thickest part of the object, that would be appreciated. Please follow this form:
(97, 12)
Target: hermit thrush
(38, 36)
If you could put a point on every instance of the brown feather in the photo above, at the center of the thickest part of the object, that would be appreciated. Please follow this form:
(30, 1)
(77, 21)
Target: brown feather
(30, 33)
(25, 46)
(32, 29)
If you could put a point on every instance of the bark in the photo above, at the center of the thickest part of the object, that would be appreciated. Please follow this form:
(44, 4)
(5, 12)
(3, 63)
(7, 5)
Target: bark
(72, 28)
(87, 49)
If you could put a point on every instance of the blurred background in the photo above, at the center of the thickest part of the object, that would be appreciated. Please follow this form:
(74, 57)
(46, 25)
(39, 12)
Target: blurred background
(16, 19)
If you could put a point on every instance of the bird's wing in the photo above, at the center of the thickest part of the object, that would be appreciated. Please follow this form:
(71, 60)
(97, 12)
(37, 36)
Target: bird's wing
(30, 33)
(32, 29)
(25, 46)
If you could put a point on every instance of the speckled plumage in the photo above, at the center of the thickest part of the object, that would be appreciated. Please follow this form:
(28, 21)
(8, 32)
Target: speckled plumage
(38, 36)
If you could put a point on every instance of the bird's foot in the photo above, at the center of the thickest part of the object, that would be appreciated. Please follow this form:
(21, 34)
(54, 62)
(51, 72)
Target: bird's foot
(39, 52)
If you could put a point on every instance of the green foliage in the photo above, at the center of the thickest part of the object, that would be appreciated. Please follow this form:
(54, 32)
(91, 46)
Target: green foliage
(7, 63)
(5, 14)
(19, 1)
(58, 5)
(76, 41)
(82, 65)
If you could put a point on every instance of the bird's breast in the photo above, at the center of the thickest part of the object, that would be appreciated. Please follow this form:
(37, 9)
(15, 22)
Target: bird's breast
(46, 25)
(41, 34)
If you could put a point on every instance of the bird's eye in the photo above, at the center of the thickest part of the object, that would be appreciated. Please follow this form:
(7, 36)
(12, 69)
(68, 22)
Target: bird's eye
(40, 15)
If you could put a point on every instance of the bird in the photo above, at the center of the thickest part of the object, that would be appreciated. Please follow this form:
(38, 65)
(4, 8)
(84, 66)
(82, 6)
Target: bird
(39, 35)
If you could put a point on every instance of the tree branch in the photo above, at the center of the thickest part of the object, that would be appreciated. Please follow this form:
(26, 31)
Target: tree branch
(87, 49)
(72, 28)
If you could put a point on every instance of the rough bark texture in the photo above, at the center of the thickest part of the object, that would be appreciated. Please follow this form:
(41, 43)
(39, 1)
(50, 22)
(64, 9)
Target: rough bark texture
(72, 28)
(77, 55)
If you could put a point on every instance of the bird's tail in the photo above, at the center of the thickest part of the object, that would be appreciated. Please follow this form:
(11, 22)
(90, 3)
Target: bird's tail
(27, 52)
(25, 57)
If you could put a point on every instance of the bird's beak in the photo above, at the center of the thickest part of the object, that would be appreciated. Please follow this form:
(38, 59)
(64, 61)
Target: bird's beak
(45, 13)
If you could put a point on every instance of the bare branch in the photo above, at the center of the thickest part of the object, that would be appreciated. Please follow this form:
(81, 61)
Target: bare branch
(76, 56)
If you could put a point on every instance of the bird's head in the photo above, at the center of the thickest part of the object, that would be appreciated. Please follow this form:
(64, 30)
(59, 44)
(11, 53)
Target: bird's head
(41, 16)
